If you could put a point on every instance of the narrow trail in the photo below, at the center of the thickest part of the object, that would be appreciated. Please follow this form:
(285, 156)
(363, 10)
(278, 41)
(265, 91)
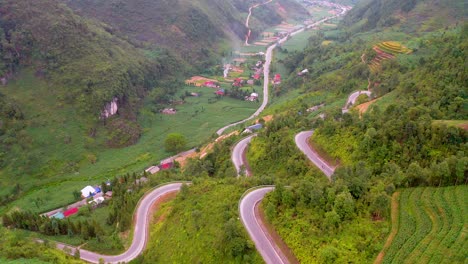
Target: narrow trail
(247, 21)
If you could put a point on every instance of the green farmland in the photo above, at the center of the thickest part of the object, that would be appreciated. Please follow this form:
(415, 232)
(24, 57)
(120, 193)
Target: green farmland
(431, 227)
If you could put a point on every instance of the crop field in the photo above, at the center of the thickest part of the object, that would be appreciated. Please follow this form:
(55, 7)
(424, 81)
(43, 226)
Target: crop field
(431, 227)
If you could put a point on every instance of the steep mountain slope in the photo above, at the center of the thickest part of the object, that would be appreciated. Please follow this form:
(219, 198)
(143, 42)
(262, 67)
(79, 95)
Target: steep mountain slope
(192, 30)
(371, 14)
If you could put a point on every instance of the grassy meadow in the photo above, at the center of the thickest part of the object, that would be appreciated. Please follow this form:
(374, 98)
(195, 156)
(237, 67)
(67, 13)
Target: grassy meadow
(66, 166)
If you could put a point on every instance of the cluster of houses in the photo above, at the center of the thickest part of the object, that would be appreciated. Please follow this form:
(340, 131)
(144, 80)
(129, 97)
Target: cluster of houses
(87, 192)
(258, 70)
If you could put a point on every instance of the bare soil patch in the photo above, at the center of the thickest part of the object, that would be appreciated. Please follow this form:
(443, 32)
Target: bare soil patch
(365, 106)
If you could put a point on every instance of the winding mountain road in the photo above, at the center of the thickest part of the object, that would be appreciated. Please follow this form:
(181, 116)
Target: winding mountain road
(238, 156)
(140, 234)
(264, 243)
(266, 66)
(302, 143)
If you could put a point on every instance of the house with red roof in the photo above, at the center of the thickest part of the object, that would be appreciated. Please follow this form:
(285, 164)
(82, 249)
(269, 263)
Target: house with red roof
(277, 79)
(70, 212)
(220, 92)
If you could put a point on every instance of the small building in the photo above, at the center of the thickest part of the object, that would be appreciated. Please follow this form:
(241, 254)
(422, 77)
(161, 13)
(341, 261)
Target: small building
(255, 127)
(58, 215)
(252, 97)
(250, 82)
(108, 194)
(220, 92)
(152, 169)
(256, 76)
(238, 82)
(277, 79)
(194, 94)
(303, 72)
(88, 191)
(96, 201)
(70, 212)
(166, 166)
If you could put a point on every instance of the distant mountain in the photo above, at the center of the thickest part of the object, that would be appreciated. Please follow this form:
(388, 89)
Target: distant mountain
(373, 14)
(192, 30)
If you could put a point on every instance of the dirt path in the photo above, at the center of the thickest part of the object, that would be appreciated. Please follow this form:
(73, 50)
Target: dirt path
(395, 226)
(247, 21)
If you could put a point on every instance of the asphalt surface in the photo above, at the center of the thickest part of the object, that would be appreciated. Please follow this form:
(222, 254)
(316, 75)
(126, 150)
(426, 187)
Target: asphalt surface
(266, 66)
(238, 153)
(140, 234)
(352, 99)
(263, 242)
(303, 145)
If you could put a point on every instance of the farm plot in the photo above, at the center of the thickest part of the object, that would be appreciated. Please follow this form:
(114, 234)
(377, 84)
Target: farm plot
(432, 226)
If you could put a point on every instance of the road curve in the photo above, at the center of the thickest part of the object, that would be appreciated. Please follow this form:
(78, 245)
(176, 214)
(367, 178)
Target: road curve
(265, 245)
(140, 234)
(237, 155)
(301, 140)
(352, 99)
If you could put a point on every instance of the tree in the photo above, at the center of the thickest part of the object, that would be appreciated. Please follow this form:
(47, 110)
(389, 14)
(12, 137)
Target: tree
(77, 194)
(175, 142)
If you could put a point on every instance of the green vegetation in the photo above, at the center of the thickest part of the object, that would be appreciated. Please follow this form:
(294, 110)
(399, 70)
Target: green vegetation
(202, 225)
(431, 226)
(175, 142)
(18, 248)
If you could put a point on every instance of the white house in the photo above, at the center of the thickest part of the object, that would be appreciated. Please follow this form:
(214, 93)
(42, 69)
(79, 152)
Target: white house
(87, 191)
(97, 201)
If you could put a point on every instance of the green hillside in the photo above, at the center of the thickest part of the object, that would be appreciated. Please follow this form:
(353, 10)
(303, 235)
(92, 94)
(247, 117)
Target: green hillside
(195, 31)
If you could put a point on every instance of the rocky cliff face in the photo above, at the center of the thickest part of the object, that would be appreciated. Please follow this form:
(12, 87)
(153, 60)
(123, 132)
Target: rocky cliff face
(110, 109)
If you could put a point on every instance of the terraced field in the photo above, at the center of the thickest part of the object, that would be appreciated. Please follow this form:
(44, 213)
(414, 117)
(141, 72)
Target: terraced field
(432, 227)
(386, 50)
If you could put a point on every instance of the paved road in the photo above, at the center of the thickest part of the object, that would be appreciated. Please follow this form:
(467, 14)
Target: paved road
(263, 242)
(303, 145)
(266, 67)
(238, 153)
(140, 234)
(352, 99)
